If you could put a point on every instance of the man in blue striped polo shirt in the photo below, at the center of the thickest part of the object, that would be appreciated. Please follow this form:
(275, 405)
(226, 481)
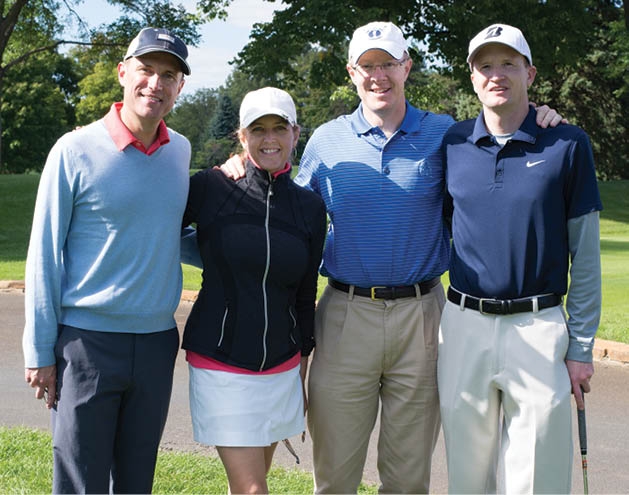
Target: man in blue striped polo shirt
(526, 210)
(379, 171)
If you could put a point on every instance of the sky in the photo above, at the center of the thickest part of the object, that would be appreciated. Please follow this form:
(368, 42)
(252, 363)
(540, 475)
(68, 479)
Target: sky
(220, 40)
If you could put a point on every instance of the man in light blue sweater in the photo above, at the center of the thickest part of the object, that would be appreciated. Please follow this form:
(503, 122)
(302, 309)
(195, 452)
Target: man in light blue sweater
(103, 278)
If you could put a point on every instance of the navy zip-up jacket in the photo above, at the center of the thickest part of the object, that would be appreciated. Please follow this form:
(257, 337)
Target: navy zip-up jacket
(261, 240)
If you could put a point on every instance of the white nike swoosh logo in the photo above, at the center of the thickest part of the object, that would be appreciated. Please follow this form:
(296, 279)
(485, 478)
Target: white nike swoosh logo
(532, 164)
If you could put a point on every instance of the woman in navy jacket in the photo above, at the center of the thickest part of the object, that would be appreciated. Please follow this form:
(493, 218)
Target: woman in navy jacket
(250, 331)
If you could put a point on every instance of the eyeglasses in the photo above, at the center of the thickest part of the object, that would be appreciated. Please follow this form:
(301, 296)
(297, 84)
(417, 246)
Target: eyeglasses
(387, 67)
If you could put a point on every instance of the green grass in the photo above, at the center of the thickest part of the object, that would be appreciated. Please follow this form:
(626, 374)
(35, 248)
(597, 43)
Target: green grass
(17, 198)
(615, 260)
(191, 277)
(26, 460)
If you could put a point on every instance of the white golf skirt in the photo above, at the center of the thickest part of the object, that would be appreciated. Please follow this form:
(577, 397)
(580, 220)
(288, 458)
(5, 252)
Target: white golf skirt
(236, 410)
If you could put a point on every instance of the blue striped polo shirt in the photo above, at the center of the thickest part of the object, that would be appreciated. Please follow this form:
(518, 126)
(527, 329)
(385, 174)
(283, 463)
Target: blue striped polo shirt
(384, 197)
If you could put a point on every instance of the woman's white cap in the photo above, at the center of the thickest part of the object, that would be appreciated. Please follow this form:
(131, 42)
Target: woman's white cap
(267, 101)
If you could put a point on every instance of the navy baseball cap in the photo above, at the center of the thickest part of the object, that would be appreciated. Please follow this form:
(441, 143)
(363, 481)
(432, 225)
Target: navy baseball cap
(151, 40)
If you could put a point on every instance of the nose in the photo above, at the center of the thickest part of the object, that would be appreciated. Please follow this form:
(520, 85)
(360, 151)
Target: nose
(378, 72)
(496, 73)
(155, 81)
(269, 135)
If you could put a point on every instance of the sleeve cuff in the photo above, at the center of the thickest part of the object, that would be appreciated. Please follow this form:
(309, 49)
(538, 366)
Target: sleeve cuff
(580, 351)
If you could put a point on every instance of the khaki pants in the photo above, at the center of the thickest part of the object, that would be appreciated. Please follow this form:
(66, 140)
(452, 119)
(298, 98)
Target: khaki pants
(511, 365)
(370, 353)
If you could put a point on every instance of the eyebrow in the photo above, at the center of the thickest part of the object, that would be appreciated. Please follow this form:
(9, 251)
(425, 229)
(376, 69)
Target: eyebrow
(149, 60)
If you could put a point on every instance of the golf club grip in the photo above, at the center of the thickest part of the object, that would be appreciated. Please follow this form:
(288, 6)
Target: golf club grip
(583, 442)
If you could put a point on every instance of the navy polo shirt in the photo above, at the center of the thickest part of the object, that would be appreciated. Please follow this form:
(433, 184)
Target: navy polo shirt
(511, 206)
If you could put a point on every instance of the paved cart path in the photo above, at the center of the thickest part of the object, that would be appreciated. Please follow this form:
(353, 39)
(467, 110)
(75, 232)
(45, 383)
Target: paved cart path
(607, 409)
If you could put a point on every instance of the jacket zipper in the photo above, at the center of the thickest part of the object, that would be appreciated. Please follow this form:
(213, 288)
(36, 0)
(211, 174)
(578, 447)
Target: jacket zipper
(292, 316)
(266, 269)
(223, 326)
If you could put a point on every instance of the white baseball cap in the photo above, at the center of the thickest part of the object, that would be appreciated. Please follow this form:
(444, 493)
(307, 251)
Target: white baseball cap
(267, 101)
(503, 34)
(377, 35)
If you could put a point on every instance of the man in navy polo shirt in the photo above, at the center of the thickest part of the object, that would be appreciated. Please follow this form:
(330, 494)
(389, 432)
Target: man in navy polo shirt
(525, 211)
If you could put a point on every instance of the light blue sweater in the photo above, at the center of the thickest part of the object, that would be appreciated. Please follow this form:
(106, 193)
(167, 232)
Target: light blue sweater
(104, 248)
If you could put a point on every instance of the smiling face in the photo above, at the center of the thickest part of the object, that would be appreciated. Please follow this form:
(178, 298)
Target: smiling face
(151, 85)
(382, 91)
(501, 77)
(269, 141)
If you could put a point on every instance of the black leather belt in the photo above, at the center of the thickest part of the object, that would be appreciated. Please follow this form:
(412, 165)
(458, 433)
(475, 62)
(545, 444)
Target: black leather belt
(504, 306)
(387, 292)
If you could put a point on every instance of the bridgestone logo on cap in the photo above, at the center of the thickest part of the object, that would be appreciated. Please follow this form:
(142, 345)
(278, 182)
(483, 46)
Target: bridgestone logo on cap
(494, 32)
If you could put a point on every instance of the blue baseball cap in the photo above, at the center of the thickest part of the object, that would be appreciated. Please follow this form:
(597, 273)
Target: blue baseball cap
(151, 40)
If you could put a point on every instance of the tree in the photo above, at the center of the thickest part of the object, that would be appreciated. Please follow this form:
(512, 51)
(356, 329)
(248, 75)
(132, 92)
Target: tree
(37, 24)
(38, 110)
(191, 117)
(594, 94)
(566, 38)
(580, 50)
(219, 137)
(215, 152)
(98, 89)
(225, 119)
(319, 26)
(36, 94)
(30, 27)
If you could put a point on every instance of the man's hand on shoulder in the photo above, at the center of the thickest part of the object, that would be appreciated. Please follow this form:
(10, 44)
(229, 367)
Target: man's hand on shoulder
(548, 117)
(234, 168)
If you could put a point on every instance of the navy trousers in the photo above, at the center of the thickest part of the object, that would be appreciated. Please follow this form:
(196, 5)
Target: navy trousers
(113, 397)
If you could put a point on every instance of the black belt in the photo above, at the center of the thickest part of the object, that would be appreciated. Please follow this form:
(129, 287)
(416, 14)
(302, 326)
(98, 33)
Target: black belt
(504, 306)
(387, 292)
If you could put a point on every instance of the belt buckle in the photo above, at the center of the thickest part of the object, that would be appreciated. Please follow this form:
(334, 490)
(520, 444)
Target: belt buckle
(481, 304)
(503, 304)
(373, 292)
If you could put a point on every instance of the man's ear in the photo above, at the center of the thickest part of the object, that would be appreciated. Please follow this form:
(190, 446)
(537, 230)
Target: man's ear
(122, 70)
(352, 73)
(532, 72)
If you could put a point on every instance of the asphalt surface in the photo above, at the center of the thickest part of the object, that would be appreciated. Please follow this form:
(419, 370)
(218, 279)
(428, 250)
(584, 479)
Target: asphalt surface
(607, 410)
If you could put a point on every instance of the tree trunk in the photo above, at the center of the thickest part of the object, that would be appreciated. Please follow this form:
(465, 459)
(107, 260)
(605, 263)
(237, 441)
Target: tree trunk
(7, 25)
